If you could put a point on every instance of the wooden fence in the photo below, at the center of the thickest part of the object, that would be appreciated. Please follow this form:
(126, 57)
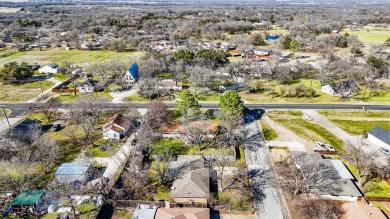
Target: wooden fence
(158, 204)
(323, 152)
(377, 199)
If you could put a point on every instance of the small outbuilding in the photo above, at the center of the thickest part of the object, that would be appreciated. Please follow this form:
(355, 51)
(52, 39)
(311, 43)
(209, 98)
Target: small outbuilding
(72, 172)
(30, 200)
(49, 69)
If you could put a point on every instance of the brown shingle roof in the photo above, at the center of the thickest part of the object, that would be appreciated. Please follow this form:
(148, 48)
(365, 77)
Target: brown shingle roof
(195, 184)
(183, 213)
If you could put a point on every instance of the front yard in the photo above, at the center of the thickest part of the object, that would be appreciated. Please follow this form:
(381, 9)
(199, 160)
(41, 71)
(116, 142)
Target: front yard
(356, 122)
(292, 120)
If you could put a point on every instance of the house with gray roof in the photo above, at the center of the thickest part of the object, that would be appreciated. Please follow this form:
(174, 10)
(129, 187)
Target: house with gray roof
(379, 136)
(192, 187)
(88, 86)
(343, 89)
(342, 187)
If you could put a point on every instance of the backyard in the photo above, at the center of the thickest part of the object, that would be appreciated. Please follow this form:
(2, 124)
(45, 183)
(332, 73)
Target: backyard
(293, 120)
(356, 122)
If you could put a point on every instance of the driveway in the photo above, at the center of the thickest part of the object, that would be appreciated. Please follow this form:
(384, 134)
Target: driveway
(292, 145)
(316, 117)
(117, 97)
(268, 200)
(284, 134)
(56, 82)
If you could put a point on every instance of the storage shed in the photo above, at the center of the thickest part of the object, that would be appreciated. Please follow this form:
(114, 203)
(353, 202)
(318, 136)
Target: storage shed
(28, 200)
(71, 172)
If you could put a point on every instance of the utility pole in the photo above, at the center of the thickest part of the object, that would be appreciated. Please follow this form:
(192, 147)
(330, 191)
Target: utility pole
(5, 114)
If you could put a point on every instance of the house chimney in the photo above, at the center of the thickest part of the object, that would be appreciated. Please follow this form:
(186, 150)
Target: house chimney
(167, 204)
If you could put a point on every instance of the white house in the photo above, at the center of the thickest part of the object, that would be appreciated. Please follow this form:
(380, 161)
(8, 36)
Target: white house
(380, 137)
(49, 69)
(169, 84)
(115, 128)
(131, 75)
(344, 88)
(261, 52)
(88, 86)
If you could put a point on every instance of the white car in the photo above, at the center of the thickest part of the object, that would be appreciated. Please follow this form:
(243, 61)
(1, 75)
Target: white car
(320, 146)
(385, 151)
(329, 147)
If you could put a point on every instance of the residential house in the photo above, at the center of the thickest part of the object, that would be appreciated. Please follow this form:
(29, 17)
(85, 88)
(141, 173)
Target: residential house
(76, 71)
(343, 89)
(379, 136)
(72, 172)
(235, 86)
(362, 210)
(169, 84)
(183, 213)
(193, 184)
(343, 188)
(88, 86)
(334, 32)
(30, 200)
(261, 52)
(115, 128)
(131, 76)
(49, 69)
(23, 130)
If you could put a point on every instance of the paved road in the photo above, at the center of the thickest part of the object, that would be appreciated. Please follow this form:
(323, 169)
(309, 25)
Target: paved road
(268, 202)
(23, 106)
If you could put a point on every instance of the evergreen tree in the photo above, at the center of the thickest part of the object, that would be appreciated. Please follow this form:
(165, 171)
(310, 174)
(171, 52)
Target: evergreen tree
(231, 104)
(187, 105)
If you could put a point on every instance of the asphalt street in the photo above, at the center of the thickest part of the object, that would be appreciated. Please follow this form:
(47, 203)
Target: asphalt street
(20, 108)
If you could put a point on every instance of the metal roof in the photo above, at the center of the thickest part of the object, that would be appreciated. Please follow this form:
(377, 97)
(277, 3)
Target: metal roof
(144, 213)
(29, 197)
(133, 70)
(341, 169)
(73, 168)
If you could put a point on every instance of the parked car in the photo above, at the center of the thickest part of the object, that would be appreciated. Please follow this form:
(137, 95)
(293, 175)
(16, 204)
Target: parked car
(320, 146)
(385, 151)
(55, 128)
(329, 147)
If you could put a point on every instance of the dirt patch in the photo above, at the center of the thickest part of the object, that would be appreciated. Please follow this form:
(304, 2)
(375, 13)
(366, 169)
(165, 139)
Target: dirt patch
(278, 154)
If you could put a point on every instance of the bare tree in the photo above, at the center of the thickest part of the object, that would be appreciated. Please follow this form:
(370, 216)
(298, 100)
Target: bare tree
(48, 153)
(156, 114)
(196, 132)
(47, 106)
(361, 159)
(321, 209)
(312, 176)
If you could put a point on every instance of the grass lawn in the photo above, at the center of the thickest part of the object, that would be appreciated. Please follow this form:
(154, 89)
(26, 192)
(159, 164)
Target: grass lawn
(22, 92)
(7, 111)
(357, 121)
(378, 187)
(70, 97)
(292, 120)
(77, 57)
(268, 97)
(137, 98)
(268, 132)
(121, 214)
(369, 34)
(40, 116)
(162, 194)
(96, 151)
(62, 77)
(214, 97)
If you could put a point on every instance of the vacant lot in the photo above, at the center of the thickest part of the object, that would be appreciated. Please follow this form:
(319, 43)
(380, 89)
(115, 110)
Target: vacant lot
(370, 34)
(8, 10)
(292, 120)
(22, 92)
(77, 57)
(356, 122)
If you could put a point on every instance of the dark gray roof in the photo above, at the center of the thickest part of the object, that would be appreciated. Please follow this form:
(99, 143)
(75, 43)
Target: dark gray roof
(349, 85)
(381, 134)
(89, 83)
(195, 184)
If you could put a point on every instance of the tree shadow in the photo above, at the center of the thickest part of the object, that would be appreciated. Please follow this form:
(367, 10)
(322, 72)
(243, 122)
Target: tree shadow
(251, 115)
